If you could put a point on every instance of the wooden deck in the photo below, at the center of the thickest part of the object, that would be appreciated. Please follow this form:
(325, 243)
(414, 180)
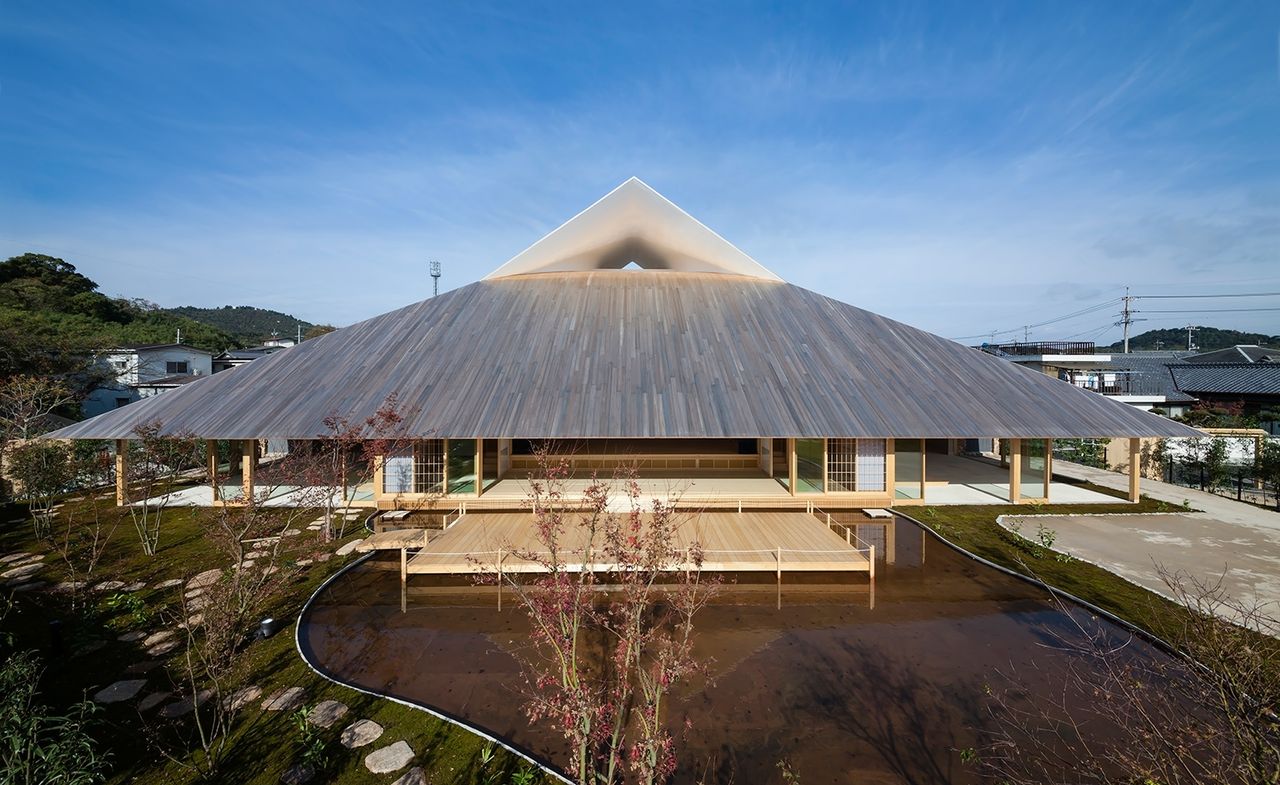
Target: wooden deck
(730, 541)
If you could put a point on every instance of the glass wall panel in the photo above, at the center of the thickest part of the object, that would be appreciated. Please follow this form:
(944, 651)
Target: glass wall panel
(1032, 485)
(397, 471)
(809, 466)
(489, 460)
(781, 463)
(871, 464)
(462, 465)
(907, 469)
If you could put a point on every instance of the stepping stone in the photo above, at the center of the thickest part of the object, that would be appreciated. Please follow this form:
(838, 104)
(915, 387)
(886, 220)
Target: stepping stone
(89, 648)
(143, 667)
(153, 700)
(348, 547)
(291, 532)
(108, 586)
(323, 557)
(297, 774)
(31, 586)
(169, 583)
(255, 554)
(193, 620)
(157, 637)
(305, 562)
(191, 595)
(15, 574)
(360, 733)
(246, 564)
(67, 587)
(199, 603)
(241, 698)
(390, 758)
(139, 586)
(204, 579)
(30, 558)
(185, 706)
(130, 637)
(327, 713)
(120, 691)
(285, 699)
(414, 776)
(161, 649)
(13, 557)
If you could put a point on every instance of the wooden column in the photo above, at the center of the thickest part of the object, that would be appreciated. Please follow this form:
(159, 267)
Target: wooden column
(924, 473)
(1135, 469)
(211, 460)
(479, 467)
(379, 463)
(1015, 471)
(1048, 467)
(890, 471)
(248, 462)
(825, 487)
(122, 472)
(791, 465)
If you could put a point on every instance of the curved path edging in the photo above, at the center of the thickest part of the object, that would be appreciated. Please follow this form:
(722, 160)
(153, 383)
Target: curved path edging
(482, 733)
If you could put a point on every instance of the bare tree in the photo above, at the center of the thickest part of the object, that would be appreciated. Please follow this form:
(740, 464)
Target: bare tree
(157, 466)
(1127, 713)
(27, 405)
(602, 664)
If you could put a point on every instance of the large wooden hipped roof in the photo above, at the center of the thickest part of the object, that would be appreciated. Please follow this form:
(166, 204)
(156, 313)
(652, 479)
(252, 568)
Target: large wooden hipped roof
(635, 354)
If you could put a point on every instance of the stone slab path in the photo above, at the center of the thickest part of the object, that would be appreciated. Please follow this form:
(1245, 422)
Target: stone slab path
(391, 758)
(360, 733)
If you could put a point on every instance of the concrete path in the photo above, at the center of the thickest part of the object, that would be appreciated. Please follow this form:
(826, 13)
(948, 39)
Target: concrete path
(1225, 540)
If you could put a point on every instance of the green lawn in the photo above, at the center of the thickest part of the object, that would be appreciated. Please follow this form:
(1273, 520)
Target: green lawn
(265, 743)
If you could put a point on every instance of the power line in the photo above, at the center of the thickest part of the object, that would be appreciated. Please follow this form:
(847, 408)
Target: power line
(1206, 296)
(1214, 310)
(1074, 314)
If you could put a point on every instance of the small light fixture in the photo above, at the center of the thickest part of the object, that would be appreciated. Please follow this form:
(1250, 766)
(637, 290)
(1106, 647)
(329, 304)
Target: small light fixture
(268, 627)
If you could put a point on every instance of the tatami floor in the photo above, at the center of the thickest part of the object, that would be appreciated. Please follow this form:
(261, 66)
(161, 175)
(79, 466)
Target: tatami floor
(729, 542)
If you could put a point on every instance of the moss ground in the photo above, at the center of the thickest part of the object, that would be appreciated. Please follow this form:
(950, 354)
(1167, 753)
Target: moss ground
(264, 744)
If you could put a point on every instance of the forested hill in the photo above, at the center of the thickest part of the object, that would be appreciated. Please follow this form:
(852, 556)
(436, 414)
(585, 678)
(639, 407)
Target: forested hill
(52, 318)
(1207, 339)
(247, 324)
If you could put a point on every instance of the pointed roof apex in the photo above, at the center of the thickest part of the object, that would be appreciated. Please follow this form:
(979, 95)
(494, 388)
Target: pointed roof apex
(633, 223)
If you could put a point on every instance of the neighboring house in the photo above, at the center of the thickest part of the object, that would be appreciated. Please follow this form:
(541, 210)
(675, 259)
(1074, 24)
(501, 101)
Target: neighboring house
(701, 368)
(1243, 353)
(1140, 379)
(280, 342)
(1255, 384)
(234, 358)
(143, 371)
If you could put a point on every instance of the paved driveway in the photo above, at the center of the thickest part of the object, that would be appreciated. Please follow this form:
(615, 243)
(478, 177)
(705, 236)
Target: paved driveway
(1228, 540)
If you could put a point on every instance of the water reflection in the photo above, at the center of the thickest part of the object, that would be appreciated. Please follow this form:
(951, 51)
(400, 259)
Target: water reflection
(842, 688)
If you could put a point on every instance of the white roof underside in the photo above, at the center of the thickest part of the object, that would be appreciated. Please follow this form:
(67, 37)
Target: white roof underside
(633, 223)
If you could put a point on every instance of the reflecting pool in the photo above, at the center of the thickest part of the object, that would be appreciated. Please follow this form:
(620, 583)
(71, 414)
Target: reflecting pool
(846, 682)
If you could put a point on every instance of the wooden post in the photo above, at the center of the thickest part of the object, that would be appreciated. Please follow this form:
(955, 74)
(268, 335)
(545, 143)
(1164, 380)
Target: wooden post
(780, 555)
(891, 543)
(248, 462)
(1015, 471)
(479, 466)
(924, 472)
(1048, 467)
(791, 465)
(873, 564)
(122, 472)
(499, 578)
(890, 470)
(211, 458)
(1135, 469)
(379, 467)
(404, 579)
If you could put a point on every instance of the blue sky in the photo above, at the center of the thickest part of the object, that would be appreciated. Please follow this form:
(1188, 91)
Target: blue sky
(963, 167)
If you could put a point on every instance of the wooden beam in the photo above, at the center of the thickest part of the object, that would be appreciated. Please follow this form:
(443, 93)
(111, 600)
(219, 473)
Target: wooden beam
(122, 472)
(1015, 471)
(1135, 469)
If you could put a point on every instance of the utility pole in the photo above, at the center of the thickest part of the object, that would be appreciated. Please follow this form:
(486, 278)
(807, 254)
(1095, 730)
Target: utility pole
(1026, 334)
(1126, 316)
(435, 278)
(299, 340)
(179, 341)
(1191, 331)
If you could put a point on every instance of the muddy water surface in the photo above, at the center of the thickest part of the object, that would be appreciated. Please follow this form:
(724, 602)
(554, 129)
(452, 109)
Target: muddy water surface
(843, 683)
